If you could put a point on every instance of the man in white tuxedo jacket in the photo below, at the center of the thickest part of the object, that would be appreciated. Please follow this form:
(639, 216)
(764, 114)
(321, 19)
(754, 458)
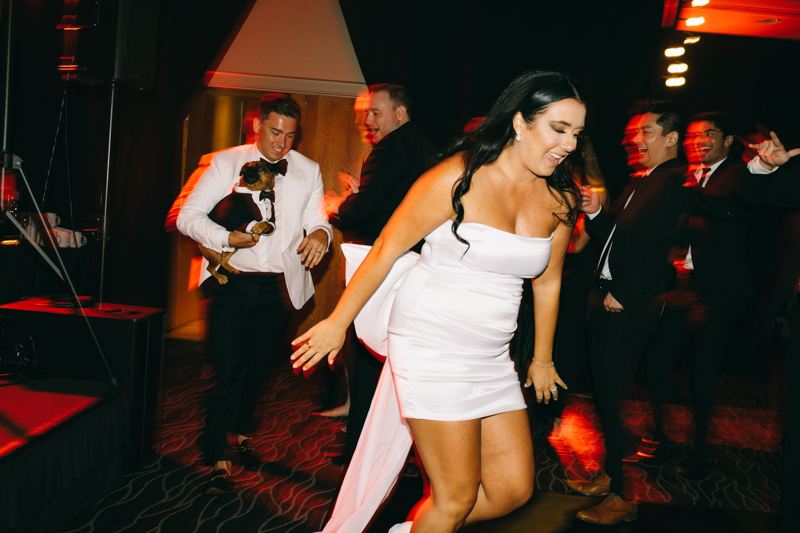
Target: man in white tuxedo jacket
(249, 314)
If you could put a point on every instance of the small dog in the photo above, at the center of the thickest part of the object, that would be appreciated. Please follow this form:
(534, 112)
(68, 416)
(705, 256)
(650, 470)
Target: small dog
(237, 210)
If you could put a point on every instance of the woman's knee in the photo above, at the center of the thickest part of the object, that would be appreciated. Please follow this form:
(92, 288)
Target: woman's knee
(514, 494)
(456, 502)
(521, 493)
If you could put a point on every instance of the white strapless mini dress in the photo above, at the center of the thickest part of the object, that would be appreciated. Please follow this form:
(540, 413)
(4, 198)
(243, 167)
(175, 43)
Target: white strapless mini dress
(452, 314)
(453, 318)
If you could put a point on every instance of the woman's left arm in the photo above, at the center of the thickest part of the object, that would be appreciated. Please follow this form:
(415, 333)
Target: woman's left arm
(546, 292)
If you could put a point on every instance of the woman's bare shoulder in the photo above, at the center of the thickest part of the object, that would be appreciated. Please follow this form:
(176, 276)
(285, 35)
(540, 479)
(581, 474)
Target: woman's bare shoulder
(443, 175)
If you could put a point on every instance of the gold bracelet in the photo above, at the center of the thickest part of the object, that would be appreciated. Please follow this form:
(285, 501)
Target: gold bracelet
(551, 365)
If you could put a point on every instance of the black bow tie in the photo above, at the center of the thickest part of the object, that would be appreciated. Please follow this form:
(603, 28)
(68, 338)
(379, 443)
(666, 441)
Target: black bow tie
(267, 194)
(278, 167)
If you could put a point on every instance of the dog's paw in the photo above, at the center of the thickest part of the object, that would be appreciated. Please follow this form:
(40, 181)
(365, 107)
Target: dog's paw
(262, 228)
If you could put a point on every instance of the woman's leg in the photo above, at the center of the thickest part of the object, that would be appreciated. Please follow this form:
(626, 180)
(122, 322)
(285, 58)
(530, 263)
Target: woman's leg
(507, 468)
(451, 454)
(478, 469)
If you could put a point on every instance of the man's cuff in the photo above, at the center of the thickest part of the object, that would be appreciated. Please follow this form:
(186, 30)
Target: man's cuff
(755, 167)
(592, 215)
(223, 243)
(326, 229)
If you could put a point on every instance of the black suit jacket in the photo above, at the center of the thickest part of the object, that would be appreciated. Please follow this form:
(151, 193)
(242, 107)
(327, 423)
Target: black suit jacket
(719, 252)
(781, 189)
(391, 169)
(650, 233)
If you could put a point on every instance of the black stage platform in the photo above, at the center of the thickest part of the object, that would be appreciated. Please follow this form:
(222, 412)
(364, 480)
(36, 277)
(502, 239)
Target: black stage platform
(62, 445)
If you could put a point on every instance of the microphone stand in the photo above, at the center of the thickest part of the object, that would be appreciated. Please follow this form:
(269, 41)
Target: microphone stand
(12, 164)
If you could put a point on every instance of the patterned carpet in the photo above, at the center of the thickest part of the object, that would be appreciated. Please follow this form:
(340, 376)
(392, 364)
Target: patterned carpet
(294, 489)
(745, 433)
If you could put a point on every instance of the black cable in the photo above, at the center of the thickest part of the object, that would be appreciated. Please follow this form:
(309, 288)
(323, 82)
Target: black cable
(58, 129)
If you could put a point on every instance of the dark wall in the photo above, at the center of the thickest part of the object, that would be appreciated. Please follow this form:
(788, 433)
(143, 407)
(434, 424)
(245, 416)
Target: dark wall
(146, 152)
(456, 58)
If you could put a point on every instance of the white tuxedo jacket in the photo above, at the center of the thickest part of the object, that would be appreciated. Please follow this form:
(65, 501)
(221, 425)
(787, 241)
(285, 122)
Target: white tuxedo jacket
(299, 209)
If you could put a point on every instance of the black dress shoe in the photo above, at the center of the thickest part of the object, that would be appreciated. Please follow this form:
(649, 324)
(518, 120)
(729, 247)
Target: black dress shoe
(245, 455)
(664, 453)
(411, 470)
(337, 459)
(694, 467)
(219, 484)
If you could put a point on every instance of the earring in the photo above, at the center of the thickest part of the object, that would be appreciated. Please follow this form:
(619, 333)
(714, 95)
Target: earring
(518, 138)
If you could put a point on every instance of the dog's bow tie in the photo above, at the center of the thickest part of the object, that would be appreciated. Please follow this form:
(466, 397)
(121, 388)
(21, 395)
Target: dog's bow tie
(267, 194)
(278, 167)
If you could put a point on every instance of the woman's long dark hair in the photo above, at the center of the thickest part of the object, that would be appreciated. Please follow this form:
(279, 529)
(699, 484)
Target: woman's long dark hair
(530, 94)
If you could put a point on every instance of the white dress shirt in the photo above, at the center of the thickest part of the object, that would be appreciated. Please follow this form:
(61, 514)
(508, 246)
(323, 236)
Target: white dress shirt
(297, 211)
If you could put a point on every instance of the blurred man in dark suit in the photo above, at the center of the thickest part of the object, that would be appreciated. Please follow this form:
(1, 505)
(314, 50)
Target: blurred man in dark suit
(642, 231)
(782, 189)
(710, 294)
(401, 152)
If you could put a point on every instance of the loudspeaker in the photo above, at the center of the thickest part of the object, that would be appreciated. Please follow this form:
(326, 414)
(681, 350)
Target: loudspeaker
(117, 41)
(131, 338)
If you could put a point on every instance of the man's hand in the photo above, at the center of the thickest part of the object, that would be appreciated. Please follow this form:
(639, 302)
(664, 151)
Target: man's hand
(332, 201)
(771, 152)
(612, 305)
(347, 183)
(590, 200)
(237, 239)
(313, 248)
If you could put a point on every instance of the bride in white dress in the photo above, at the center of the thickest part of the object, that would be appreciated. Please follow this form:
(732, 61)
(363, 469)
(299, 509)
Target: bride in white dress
(499, 209)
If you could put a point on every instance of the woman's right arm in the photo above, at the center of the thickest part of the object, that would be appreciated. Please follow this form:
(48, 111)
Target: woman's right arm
(427, 206)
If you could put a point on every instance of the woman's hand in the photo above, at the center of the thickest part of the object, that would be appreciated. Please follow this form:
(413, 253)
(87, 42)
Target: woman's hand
(325, 338)
(544, 381)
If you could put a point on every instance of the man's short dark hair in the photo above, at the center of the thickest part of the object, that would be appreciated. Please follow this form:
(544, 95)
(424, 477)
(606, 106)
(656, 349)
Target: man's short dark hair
(282, 104)
(397, 94)
(721, 121)
(668, 116)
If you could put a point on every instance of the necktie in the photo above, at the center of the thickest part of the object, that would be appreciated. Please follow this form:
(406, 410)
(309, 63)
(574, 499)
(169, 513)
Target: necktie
(701, 180)
(278, 167)
(267, 194)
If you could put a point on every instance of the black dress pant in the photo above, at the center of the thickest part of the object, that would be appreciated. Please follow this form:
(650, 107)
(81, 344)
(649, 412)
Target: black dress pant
(617, 345)
(790, 489)
(364, 371)
(688, 318)
(247, 322)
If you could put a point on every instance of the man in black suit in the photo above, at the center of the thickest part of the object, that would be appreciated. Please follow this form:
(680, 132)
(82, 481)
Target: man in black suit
(783, 190)
(710, 294)
(401, 152)
(644, 228)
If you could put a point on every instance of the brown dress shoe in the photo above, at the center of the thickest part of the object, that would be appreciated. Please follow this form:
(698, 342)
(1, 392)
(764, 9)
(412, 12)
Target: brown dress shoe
(612, 510)
(598, 486)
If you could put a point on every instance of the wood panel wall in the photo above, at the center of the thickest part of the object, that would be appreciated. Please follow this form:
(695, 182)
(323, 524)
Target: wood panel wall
(327, 135)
